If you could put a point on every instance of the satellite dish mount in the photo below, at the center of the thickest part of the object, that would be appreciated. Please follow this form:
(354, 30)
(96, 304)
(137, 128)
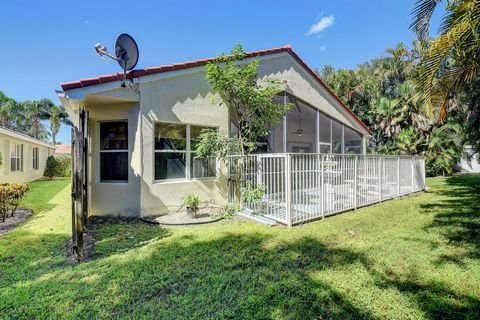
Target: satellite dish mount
(126, 54)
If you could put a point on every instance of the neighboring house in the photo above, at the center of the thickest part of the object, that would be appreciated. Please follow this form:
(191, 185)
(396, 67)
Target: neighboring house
(63, 150)
(23, 157)
(141, 138)
(470, 161)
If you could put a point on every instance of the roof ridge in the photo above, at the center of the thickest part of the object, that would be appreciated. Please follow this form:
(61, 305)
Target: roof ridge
(86, 82)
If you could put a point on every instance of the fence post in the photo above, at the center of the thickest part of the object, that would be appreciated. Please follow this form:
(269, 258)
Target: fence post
(380, 168)
(424, 185)
(413, 173)
(259, 171)
(322, 188)
(288, 189)
(355, 172)
(398, 176)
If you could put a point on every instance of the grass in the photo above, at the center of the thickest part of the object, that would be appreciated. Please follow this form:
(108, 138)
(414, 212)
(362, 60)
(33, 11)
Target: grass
(413, 258)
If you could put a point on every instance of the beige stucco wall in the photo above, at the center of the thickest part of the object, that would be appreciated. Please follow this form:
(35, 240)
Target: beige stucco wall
(28, 174)
(180, 97)
(183, 99)
(120, 198)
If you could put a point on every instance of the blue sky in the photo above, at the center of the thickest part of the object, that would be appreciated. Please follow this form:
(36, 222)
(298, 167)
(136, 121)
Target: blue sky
(44, 43)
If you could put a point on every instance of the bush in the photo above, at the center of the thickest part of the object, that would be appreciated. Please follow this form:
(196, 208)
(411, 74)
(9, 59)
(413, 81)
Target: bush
(66, 166)
(10, 196)
(226, 212)
(58, 167)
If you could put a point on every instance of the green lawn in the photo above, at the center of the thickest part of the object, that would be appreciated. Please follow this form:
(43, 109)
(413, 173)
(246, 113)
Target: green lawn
(410, 258)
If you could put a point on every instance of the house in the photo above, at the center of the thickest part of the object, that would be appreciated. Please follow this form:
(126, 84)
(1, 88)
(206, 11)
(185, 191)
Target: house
(63, 150)
(140, 139)
(24, 158)
(470, 161)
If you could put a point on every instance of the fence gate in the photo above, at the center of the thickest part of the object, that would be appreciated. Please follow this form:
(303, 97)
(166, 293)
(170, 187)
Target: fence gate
(79, 183)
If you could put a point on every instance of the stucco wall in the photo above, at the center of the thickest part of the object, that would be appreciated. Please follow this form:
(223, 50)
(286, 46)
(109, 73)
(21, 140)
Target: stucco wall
(183, 99)
(120, 198)
(28, 174)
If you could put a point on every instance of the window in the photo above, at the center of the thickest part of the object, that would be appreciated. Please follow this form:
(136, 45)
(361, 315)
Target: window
(353, 141)
(114, 151)
(200, 168)
(325, 127)
(16, 157)
(175, 158)
(301, 122)
(337, 137)
(35, 158)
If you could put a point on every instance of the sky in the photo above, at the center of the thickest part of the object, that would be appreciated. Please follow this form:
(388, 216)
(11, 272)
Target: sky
(45, 43)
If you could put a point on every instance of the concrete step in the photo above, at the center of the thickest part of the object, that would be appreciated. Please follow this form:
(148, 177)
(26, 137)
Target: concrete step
(257, 218)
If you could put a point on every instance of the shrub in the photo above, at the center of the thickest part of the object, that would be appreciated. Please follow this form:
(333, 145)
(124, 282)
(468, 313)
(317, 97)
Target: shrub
(226, 212)
(65, 166)
(252, 194)
(10, 196)
(58, 167)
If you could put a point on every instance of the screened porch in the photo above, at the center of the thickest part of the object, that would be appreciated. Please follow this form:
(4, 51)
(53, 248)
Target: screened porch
(300, 187)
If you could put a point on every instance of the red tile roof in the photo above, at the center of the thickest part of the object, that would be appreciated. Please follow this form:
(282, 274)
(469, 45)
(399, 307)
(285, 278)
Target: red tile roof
(63, 149)
(86, 82)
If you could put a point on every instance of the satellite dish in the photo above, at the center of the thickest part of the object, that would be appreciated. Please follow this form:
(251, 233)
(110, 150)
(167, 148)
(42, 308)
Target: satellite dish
(126, 51)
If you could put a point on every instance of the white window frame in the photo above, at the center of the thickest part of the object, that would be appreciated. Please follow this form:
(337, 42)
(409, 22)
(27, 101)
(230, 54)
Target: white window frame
(35, 158)
(100, 151)
(18, 156)
(188, 153)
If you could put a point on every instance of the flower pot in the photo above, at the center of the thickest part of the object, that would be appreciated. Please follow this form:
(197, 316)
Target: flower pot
(192, 212)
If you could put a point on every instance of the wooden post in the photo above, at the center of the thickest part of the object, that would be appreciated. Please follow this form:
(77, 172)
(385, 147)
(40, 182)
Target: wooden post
(79, 183)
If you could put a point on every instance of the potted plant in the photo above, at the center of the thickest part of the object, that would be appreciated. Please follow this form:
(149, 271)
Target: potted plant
(191, 202)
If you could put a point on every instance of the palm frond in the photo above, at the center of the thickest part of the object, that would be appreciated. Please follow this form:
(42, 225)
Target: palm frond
(422, 14)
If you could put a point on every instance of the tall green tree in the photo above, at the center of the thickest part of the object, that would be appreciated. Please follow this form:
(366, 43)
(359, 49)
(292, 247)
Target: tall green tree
(384, 93)
(31, 117)
(250, 102)
(452, 59)
(251, 105)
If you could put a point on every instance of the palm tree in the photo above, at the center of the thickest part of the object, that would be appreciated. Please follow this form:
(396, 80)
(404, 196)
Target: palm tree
(55, 121)
(8, 112)
(450, 60)
(35, 112)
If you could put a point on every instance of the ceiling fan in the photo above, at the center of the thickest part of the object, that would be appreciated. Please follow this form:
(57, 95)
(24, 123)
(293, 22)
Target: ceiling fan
(299, 131)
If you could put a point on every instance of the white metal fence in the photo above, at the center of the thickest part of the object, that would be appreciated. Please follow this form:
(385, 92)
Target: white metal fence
(300, 187)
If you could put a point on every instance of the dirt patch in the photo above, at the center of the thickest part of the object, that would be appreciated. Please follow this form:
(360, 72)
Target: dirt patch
(21, 215)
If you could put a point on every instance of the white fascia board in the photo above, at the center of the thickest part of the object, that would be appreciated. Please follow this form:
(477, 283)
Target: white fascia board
(24, 137)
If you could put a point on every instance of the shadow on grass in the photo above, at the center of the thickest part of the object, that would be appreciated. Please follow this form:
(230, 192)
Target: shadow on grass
(121, 235)
(228, 277)
(458, 217)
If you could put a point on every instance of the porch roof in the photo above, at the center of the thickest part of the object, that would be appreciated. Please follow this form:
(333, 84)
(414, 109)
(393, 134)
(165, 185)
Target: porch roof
(87, 82)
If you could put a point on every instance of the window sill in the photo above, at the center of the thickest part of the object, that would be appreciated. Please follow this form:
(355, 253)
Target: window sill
(175, 181)
(115, 183)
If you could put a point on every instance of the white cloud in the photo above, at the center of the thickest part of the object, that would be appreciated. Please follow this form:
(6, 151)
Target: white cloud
(321, 25)
(323, 48)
